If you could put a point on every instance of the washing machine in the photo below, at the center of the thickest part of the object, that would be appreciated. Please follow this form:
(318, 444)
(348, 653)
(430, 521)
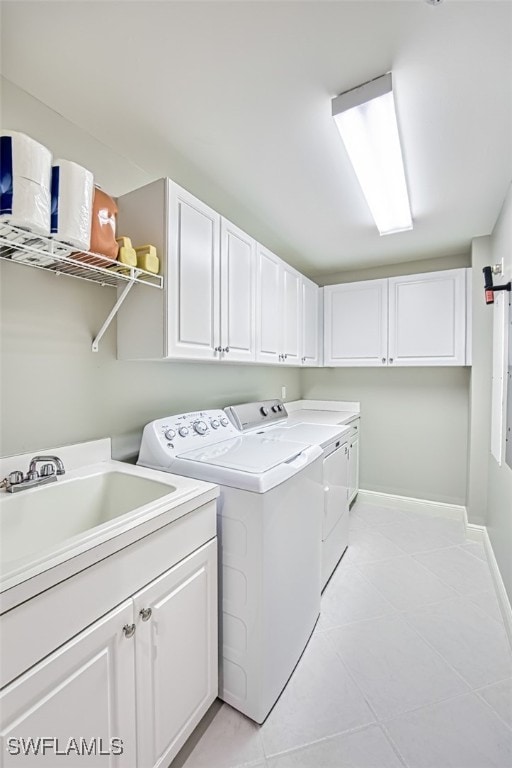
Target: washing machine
(269, 531)
(270, 418)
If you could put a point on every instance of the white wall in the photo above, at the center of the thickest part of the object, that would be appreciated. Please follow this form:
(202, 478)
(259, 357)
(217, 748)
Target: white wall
(414, 425)
(480, 387)
(55, 390)
(499, 507)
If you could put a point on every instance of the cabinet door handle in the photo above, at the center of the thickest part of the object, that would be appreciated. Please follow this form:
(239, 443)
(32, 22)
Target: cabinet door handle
(145, 614)
(383, 361)
(226, 349)
(217, 349)
(129, 630)
(390, 359)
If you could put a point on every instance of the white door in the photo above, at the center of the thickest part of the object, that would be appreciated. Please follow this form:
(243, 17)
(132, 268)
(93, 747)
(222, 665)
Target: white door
(310, 323)
(427, 318)
(268, 307)
(193, 313)
(291, 282)
(237, 294)
(336, 471)
(353, 467)
(83, 691)
(356, 323)
(176, 655)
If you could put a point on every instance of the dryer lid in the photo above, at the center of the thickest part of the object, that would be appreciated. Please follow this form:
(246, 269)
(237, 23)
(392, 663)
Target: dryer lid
(255, 454)
(313, 434)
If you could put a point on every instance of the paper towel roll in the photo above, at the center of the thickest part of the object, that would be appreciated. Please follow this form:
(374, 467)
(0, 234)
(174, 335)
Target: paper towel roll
(72, 191)
(25, 173)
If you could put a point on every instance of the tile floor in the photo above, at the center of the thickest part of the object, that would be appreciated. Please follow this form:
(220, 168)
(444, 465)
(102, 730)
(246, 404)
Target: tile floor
(409, 664)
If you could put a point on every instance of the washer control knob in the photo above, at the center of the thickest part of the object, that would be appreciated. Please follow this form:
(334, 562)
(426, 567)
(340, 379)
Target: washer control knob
(279, 407)
(224, 421)
(200, 427)
(275, 408)
(169, 434)
(183, 431)
(264, 410)
(214, 423)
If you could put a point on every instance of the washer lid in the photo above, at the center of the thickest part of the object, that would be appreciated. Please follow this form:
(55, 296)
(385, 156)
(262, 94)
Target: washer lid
(313, 434)
(255, 454)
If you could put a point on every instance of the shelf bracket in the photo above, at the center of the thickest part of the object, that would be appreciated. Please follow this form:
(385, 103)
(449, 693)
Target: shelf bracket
(112, 314)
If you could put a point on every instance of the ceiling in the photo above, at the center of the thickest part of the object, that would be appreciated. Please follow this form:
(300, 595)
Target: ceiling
(241, 92)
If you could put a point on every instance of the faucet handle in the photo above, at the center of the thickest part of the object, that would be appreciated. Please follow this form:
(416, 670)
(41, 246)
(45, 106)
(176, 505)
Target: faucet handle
(15, 478)
(47, 470)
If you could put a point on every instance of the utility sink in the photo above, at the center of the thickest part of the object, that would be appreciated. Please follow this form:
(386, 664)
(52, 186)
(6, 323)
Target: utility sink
(41, 518)
(94, 510)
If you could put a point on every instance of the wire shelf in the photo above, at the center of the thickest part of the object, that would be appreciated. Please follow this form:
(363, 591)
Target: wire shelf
(24, 247)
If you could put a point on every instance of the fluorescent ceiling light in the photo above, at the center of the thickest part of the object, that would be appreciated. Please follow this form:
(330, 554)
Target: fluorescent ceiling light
(366, 120)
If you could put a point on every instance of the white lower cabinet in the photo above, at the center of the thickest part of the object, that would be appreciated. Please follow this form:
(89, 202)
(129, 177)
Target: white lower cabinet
(353, 463)
(134, 684)
(176, 655)
(83, 691)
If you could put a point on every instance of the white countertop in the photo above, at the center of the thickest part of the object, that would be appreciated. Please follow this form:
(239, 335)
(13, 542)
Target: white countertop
(322, 412)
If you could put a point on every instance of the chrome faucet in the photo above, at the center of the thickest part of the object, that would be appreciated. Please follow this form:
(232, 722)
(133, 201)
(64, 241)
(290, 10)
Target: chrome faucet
(17, 481)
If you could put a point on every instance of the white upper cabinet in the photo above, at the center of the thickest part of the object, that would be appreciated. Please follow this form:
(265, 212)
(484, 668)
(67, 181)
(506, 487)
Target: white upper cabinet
(278, 310)
(193, 314)
(291, 322)
(207, 308)
(237, 294)
(399, 321)
(312, 323)
(355, 323)
(427, 319)
(268, 307)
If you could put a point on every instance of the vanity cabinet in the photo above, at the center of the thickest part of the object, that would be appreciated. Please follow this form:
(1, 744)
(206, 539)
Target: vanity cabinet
(409, 320)
(278, 310)
(207, 308)
(85, 689)
(175, 655)
(144, 673)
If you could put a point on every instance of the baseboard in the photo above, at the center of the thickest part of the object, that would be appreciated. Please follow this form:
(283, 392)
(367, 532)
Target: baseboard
(480, 533)
(410, 504)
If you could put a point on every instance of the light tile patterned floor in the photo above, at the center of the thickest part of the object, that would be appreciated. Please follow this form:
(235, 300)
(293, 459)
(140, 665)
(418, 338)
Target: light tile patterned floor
(409, 664)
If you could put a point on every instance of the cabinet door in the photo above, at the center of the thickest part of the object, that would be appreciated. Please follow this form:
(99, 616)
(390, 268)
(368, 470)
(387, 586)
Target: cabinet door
(291, 282)
(336, 481)
(310, 323)
(427, 319)
(268, 307)
(176, 655)
(237, 294)
(356, 323)
(353, 467)
(84, 690)
(193, 315)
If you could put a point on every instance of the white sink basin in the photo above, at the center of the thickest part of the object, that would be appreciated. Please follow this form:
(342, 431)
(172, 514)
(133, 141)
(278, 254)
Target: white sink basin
(42, 518)
(99, 507)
